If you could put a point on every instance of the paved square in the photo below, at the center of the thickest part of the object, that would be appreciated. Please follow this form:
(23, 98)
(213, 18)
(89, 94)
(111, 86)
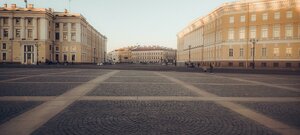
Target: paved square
(10, 109)
(98, 101)
(133, 117)
(119, 89)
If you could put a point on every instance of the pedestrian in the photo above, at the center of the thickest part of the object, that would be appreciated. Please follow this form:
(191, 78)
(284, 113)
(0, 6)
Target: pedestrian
(211, 67)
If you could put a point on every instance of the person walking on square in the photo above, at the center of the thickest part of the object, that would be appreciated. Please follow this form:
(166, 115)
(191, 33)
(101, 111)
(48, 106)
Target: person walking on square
(211, 67)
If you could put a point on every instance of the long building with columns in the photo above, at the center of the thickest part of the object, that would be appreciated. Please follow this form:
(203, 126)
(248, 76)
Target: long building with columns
(30, 35)
(222, 37)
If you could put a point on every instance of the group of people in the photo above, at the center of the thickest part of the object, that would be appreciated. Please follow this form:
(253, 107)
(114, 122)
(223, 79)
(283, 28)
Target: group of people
(211, 66)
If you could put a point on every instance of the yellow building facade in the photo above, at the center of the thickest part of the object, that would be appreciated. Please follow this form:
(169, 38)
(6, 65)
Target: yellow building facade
(31, 35)
(222, 38)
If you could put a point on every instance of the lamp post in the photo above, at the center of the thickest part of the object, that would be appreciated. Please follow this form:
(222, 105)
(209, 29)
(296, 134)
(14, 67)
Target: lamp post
(253, 41)
(189, 54)
(37, 52)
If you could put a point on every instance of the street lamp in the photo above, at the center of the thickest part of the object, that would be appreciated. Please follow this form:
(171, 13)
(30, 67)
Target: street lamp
(37, 52)
(253, 41)
(189, 53)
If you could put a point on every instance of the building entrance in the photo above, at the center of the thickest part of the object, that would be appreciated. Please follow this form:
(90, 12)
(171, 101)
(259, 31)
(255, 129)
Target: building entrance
(29, 54)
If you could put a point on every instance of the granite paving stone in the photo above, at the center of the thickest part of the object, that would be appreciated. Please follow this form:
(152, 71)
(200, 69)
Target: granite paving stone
(149, 117)
(247, 91)
(10, 109)
(119, 89)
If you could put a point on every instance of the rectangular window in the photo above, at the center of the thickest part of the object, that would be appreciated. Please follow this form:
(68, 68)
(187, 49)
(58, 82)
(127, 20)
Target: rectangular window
(73, 36)
(65, 26)
(57, 25)
(276, 52)
(288, 30)
(252, 32)
(264, 32)
(231, 19)
(241, 52)
(57, 37)
(29, 21)
(231, 34)
(289, 14)
(230, 52)
(241, 64)
(263, 64)
(276, 64)
(288, 65)
(242, 33)
(73, 26)
(18, 21)
(277, 15)
(65, 36)
(73, 57)
(265, 16)
(4, 56)
(288, 52)
(5, 33)
(264, 52)
(5, 21)
(56, 48)
(4, 46)
(29, 33)
(253, 18)
(65, 58)
(18, 33)
(276, 31)
(243, 18)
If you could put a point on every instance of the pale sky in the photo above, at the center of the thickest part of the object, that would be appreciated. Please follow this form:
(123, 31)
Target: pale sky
(132, 22)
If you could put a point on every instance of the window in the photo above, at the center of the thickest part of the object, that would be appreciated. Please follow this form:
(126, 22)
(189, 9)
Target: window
(289, 30)
(65, 58)
(231, 34)
(288, 65)
(73, 36)
(4, 46)
(18, 21)
(288, 52)
(3, 56)
(265, 16)
(276, 31)
(29, 33)
(276, 52)
(57, 25)
(18, 33)
(5, 21)
(73, 57)
(57, 37)
(57, 48)
(29, 21)
(253, 18)
(241, 64)
(73, 26)
(65, 36)
(289, 14)
(243, 18)
(264, 32)
(252, 32)
(230, 64)
(276, 64)
(263, 64)
(277, 15)
(65, 26)
(5, 33)
(231, 19)
(56, 57)
(242, 33)
(230, 52)
(264, 52)
(241, 52)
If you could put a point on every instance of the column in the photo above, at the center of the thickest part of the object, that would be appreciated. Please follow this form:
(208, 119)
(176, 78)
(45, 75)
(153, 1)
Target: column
(34, 23)
(60, 32)
(10, 24)
(78, 32)
(1, 26)
(22, 22)
(69, 32)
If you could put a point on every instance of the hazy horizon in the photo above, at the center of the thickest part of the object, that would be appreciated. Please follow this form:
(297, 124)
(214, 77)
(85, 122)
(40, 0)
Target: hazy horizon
(133, 22)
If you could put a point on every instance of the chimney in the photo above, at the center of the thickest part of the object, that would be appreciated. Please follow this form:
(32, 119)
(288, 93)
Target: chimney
(13, 6)
(30, 6)
(5, 5)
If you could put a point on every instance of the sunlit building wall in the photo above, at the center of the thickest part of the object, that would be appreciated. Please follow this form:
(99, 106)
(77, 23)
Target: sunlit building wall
(222, 37)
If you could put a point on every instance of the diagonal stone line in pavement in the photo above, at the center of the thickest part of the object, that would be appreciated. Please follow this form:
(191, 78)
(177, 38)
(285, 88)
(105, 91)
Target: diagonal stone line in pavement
(260, 83)
(187, 98)
(275, 125)
(20, 78)
(31, 120)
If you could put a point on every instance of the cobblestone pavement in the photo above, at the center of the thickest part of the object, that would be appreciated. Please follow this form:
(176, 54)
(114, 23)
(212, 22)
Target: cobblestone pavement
(97, 101)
